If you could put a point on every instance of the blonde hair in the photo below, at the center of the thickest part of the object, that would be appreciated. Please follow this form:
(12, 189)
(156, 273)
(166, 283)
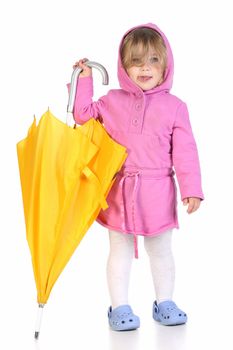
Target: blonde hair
(138, 43)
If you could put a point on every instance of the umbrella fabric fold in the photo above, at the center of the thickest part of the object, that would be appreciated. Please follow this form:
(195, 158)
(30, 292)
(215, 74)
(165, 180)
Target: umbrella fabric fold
(66, 175)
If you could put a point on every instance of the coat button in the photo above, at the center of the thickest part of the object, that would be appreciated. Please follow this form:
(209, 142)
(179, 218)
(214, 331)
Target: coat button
(138, 106)
(135, 121)
(139, 95)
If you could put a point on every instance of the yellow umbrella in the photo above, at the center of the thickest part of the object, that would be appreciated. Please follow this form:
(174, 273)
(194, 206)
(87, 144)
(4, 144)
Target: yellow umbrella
(66, 175)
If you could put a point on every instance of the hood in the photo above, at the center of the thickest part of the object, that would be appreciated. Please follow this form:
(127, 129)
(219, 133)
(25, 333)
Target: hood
(127, 84)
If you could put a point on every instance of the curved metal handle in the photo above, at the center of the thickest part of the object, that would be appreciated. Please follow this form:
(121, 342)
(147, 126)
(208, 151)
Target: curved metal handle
(74, 82)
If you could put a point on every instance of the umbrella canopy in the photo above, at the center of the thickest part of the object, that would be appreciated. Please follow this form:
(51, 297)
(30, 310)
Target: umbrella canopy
(65, 175)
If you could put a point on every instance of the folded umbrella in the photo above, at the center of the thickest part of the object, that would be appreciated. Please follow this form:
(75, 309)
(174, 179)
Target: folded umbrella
(66, 174)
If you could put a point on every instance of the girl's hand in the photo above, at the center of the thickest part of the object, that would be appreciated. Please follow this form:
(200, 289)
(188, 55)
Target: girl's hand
(193, 204)
(86, 71)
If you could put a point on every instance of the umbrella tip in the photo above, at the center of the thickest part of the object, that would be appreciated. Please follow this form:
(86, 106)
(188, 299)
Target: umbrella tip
(37, 335)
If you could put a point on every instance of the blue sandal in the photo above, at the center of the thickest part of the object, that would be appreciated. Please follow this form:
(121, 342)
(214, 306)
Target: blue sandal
(122, 318)
(168, 314)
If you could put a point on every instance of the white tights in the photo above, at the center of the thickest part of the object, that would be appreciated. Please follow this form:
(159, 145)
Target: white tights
(120, 261)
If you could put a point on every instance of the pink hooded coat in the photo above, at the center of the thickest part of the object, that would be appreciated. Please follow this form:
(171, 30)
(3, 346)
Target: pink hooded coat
(154, 126)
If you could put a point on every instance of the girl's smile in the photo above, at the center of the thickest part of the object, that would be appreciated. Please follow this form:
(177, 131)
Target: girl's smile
(144, 78)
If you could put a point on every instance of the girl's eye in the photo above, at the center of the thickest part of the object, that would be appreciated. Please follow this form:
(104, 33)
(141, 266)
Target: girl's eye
(136, 61)
(154, 60)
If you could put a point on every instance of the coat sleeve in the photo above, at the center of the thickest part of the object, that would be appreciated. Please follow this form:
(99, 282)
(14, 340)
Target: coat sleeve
(84, 107)
(185, 156)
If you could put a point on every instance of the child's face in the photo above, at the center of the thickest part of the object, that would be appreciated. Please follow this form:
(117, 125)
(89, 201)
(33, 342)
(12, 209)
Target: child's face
(147, 74)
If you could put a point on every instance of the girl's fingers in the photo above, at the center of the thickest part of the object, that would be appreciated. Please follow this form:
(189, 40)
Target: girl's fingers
(76, 65)
(197, 205)
(193, 205)
(80, 63)
(85, 70)
(190, 208)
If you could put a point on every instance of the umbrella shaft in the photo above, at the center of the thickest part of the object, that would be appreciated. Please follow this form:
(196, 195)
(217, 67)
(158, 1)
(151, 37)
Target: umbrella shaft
(70, 119)
(38, 320)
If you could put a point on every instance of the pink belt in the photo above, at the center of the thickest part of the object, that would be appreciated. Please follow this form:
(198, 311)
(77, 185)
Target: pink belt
(134, 172)
(122, 205)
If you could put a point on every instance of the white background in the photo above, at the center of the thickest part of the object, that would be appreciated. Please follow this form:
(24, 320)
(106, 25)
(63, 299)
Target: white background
(40, 41)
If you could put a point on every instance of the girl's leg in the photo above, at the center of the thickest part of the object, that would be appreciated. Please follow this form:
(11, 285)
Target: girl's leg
(162, 264)
(119, 266)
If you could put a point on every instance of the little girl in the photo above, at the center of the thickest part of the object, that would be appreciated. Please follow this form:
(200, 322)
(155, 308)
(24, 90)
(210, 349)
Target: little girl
(154, 126)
